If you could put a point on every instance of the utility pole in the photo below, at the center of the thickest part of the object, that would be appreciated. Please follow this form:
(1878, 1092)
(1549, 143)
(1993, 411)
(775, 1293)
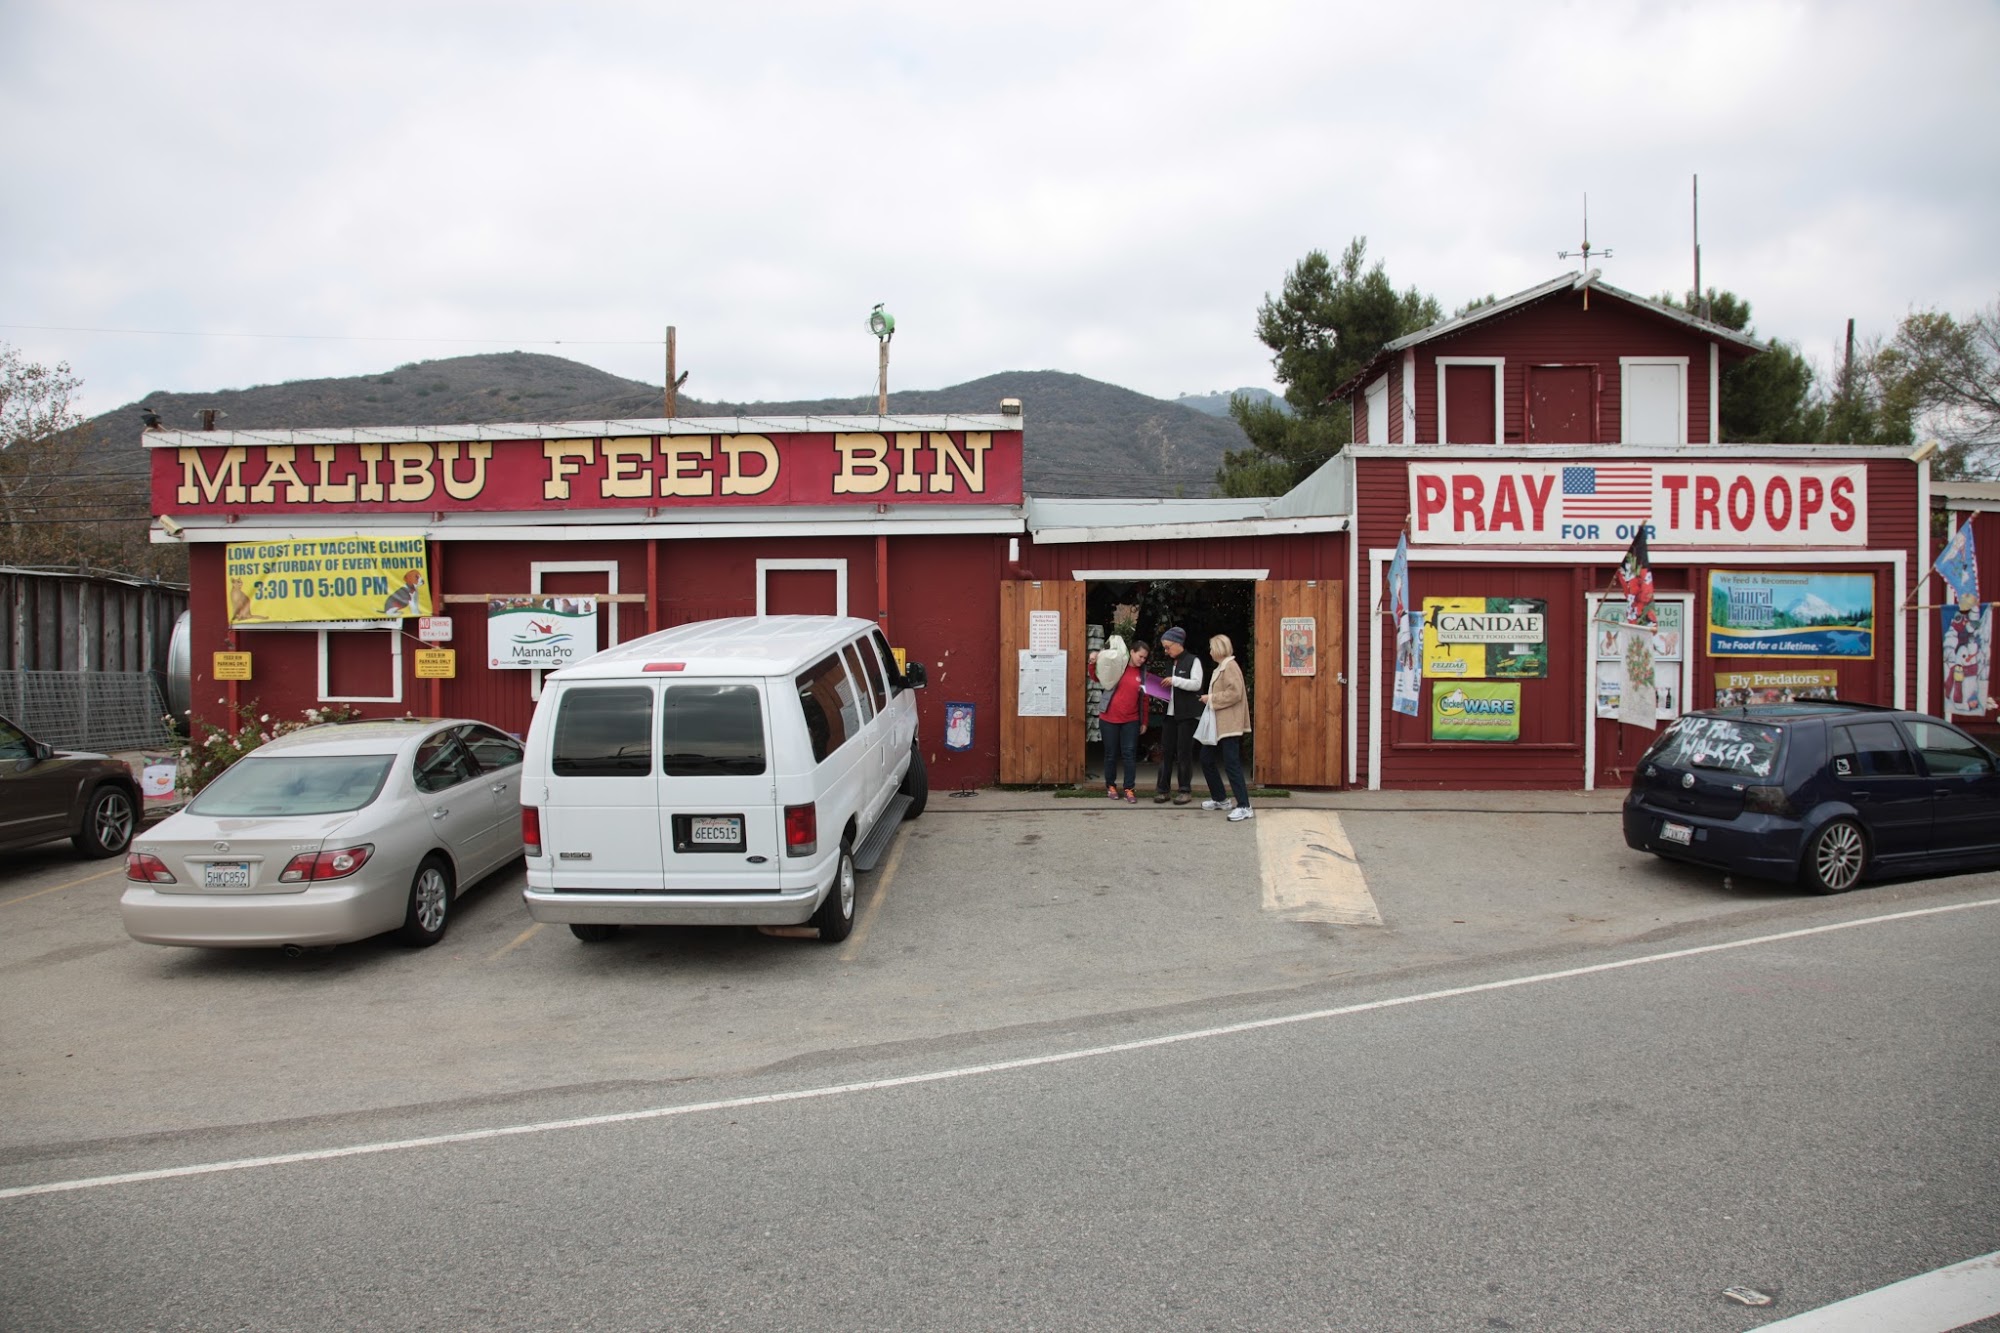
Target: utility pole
(1700, 295)
(674, 382)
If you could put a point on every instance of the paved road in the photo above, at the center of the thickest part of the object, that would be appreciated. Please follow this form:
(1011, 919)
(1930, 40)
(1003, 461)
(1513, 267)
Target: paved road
(1813, 1114)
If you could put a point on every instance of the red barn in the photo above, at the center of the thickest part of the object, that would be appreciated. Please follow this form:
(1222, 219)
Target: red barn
(1520, 449)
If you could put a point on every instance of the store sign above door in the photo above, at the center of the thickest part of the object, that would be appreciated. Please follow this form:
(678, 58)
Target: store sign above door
(630, 472)
(1606, 504)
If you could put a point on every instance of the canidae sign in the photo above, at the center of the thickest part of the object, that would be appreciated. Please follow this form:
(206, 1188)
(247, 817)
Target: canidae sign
(1606, 504)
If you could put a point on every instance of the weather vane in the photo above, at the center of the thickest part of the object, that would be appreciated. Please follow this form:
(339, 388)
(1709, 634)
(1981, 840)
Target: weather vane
(1586, 252)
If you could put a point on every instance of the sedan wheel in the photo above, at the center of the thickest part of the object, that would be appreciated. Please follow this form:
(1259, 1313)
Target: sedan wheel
(430, 905)
(108, 824)
(1837, 857)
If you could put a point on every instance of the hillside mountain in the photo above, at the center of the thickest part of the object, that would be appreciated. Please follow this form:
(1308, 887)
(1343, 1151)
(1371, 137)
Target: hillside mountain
(1083, 437)
(1217, 404)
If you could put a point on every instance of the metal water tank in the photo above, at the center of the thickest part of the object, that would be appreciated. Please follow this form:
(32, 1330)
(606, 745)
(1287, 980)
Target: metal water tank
(180, 666)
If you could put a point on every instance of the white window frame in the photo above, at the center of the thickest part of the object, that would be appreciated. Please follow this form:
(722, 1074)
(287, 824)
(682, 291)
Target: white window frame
(1376, 398)
(1625, 363)
(1499, 367)
(839, 568)
(394, 631)
(610, 567)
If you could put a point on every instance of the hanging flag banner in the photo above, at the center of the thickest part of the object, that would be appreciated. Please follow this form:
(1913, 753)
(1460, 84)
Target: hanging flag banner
(1968, 659)
(1635, 580)
(1606, 504)
(1958, 566)
(1790, 614)
(540, 632)
(1476, 711)
(1639, 694)
(327, 578)
(958, 720)
(1409, 663)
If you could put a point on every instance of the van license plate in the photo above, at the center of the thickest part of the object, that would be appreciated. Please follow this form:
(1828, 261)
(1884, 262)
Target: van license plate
(225, 875)
(716, 830)
(1672, 832)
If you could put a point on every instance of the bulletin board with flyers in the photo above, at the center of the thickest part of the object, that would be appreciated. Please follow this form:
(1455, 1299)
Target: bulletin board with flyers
(1613, 650)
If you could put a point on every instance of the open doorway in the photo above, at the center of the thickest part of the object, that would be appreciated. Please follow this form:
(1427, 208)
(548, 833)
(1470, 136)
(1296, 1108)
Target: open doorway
(1202, 607)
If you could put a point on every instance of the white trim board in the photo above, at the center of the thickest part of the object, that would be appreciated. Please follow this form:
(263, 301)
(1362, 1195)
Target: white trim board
(538, 568)
(838, 567)
(395, 695)
(1143, 575)
(1499, 367)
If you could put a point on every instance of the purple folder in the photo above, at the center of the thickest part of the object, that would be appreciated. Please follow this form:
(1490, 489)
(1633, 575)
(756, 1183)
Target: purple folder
(1156, 686)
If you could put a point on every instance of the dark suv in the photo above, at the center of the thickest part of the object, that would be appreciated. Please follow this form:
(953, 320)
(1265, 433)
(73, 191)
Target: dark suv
(45, 794)
(1818, 794)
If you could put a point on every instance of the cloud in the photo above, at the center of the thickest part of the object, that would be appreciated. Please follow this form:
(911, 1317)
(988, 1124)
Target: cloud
(1109, 190)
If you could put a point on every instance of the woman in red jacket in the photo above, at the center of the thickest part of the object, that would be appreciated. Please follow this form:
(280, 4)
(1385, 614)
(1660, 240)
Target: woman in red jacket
(1120, 722)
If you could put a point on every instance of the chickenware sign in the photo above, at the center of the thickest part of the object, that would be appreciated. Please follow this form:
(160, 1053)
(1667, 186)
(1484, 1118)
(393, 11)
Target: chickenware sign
(545, 632)
(1606, 504)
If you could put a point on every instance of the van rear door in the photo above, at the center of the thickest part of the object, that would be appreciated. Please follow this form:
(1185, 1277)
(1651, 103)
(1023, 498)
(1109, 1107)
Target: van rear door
(720, 826)
(601, 820)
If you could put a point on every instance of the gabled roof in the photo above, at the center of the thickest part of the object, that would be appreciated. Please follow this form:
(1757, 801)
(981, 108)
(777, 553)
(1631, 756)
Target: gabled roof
(1568, 282)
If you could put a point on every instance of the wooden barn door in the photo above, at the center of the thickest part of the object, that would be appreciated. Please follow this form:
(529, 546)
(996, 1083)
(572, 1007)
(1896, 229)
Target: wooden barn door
(1297, 718)
(1041, 749)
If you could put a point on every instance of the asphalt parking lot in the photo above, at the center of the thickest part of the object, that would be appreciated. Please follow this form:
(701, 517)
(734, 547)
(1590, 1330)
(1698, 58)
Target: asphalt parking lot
(1004, 911)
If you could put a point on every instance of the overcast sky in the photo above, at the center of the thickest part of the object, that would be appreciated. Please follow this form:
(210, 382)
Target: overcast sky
(1104, 189)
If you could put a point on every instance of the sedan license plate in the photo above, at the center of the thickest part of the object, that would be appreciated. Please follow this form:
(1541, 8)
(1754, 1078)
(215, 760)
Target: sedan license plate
(225, 875)
(1672, 832)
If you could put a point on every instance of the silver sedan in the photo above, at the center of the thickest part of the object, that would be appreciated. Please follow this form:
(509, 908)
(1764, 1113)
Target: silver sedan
(329, 834)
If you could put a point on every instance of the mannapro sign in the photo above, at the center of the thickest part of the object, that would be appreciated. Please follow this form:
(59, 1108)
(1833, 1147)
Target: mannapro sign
(1606, 504)
(327, 578)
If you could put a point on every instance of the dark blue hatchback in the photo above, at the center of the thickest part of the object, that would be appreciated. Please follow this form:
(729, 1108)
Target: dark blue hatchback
(1819, 794)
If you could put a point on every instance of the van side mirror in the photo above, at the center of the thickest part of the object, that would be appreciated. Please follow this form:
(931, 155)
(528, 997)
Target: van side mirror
(914, 677)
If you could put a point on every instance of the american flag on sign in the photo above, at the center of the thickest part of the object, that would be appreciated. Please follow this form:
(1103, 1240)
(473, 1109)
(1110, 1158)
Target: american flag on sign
(1617, 490)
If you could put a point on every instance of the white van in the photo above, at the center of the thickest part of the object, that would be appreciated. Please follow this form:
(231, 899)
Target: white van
(726, 772)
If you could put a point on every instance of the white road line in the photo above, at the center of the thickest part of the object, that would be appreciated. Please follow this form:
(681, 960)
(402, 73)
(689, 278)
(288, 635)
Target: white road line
(965, 1071)
(1309, 869)
(1928, 1303)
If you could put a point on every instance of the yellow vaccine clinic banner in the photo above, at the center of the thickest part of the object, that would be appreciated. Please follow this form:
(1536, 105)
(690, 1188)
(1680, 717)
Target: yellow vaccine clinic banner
(328, 578)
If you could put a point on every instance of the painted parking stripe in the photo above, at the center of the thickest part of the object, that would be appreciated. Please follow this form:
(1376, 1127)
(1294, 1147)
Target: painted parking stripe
(1928, 1303)
(118, 869)
(967, 1071)
(1309, 869)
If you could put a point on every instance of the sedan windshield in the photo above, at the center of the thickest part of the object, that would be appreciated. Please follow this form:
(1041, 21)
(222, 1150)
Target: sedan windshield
(294, 785)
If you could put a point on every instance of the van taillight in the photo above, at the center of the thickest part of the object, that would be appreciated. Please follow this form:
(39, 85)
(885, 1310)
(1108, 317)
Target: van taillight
(531, 830)
(801, 830)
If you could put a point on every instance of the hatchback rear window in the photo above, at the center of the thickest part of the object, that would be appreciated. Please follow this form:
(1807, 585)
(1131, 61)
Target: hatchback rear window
(1723, 744)
(603, 733)
(294, 785)
(712, 731)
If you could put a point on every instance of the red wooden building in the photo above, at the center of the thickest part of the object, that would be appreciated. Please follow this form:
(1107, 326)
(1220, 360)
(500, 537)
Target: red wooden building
(1520, 448)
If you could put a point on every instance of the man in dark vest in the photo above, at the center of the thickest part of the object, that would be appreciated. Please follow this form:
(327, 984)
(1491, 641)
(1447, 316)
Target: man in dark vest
(1183, 711)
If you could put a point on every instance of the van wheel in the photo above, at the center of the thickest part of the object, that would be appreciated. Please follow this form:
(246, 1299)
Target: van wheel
(916, 783)
(107, 824)
(592, 933)
(1836, 857)
(429, 911)
(835, 917)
